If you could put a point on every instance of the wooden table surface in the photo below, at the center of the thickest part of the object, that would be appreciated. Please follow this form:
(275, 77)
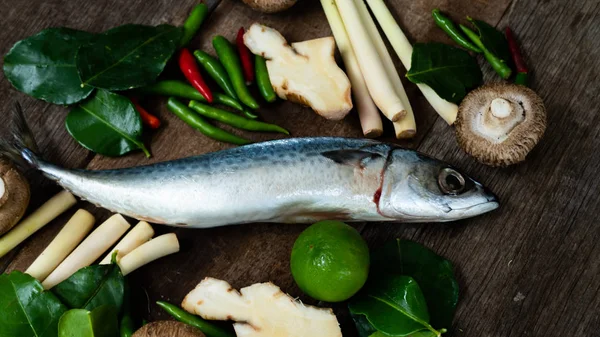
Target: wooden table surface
(530, 268)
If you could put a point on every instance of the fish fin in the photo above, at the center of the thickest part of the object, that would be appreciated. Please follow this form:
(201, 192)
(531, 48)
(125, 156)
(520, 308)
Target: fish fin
(20, 148)
(351, 157)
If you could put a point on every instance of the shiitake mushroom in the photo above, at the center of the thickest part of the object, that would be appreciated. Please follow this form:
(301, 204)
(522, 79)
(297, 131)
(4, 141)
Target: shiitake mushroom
(270, 6)
(499, 124)
(14, 196)
(168, 329)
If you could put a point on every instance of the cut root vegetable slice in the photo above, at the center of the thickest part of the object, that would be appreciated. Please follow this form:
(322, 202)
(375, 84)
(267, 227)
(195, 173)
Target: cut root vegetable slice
(101, 239)
(36, 220)
(136, 237)
(405, 127)
(152, 250)
(447, 110)
(260, 310)
(380, 87)
(303, 72)
(368, 114)
(68, 238)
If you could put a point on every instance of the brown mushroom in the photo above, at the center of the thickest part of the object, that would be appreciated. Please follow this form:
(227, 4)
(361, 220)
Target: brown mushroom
(270, 6)
(14, 196)
(499, 124)
(168, 329)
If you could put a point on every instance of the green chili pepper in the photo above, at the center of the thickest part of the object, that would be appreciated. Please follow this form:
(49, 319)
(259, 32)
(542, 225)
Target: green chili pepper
(497, 63)
(215, 69)
(262, 79)
(446, 24)
(193, 23)
(233, 119)
(233, 66)
(249, 114)
(184, 90)
(198, 123)
(209, 329)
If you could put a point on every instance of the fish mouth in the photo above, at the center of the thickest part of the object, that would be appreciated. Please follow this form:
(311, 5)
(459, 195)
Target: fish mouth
(477, 209)
(491, 203)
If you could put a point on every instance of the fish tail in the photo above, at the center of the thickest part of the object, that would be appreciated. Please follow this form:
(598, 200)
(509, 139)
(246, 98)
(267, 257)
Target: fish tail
(20, 147)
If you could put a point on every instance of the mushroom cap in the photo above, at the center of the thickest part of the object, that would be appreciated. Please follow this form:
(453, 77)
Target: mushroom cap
(500, 123)
(270, 6)
(14, 196)
(168, 329)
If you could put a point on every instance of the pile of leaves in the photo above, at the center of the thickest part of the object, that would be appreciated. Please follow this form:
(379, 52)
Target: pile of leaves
(88, 303)
(411, 291)
(71, 67)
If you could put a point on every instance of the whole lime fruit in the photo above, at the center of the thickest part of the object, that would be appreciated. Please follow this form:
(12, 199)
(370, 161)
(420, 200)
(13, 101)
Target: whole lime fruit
(330, 261)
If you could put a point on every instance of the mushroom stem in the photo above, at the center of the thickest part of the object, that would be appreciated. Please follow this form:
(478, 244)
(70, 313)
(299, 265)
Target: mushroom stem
(501, 108)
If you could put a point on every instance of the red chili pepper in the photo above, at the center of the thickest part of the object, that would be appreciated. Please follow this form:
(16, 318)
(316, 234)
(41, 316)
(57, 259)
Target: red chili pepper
(147, 118)
(245, 56)
(522, 71)
(189, 67)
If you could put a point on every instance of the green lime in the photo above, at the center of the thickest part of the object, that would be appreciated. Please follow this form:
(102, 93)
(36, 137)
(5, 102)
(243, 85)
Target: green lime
(330, 261)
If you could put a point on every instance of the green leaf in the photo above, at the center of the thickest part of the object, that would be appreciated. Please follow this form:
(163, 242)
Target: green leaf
(26, 309)
(425, 333)
(393, 305)
(92, 287)
(101, 322)
(43, 66)
(363, 327)
(451, 72)
(128, 56)
(493, 40)
(107, 124)
(433, 273)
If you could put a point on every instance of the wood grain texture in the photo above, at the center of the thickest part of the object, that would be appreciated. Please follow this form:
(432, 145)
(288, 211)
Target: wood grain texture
(528, 269)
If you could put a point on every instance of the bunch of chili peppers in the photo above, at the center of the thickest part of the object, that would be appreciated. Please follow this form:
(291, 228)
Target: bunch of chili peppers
(233, 71)
(473, 42)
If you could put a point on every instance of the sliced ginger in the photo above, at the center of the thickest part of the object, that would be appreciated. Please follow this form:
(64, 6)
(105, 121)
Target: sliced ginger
(261, 310)
(303, 72)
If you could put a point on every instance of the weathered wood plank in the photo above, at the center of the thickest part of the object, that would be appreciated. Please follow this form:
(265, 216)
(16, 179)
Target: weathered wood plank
(529, 268)
(541, 244)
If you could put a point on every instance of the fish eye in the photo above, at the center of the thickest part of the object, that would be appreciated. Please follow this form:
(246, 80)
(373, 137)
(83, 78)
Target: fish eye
(451, 182)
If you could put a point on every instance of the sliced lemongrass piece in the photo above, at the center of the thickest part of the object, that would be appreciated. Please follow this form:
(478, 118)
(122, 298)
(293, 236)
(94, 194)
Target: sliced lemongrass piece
(152, 250)
(140, 234)
(405, 127)
(447, 110)
(101, 239)
(368, 114)
(380, 87)
(68, 238)
(36, 220)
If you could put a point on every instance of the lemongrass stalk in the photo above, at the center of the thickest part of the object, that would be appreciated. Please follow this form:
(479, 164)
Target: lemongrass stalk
(68, 238)
(399, 41)
(136, 237)
(379, 85)
(405, 127)
(36, 220)
(368, 114)
(152, 250)
(98, 242)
